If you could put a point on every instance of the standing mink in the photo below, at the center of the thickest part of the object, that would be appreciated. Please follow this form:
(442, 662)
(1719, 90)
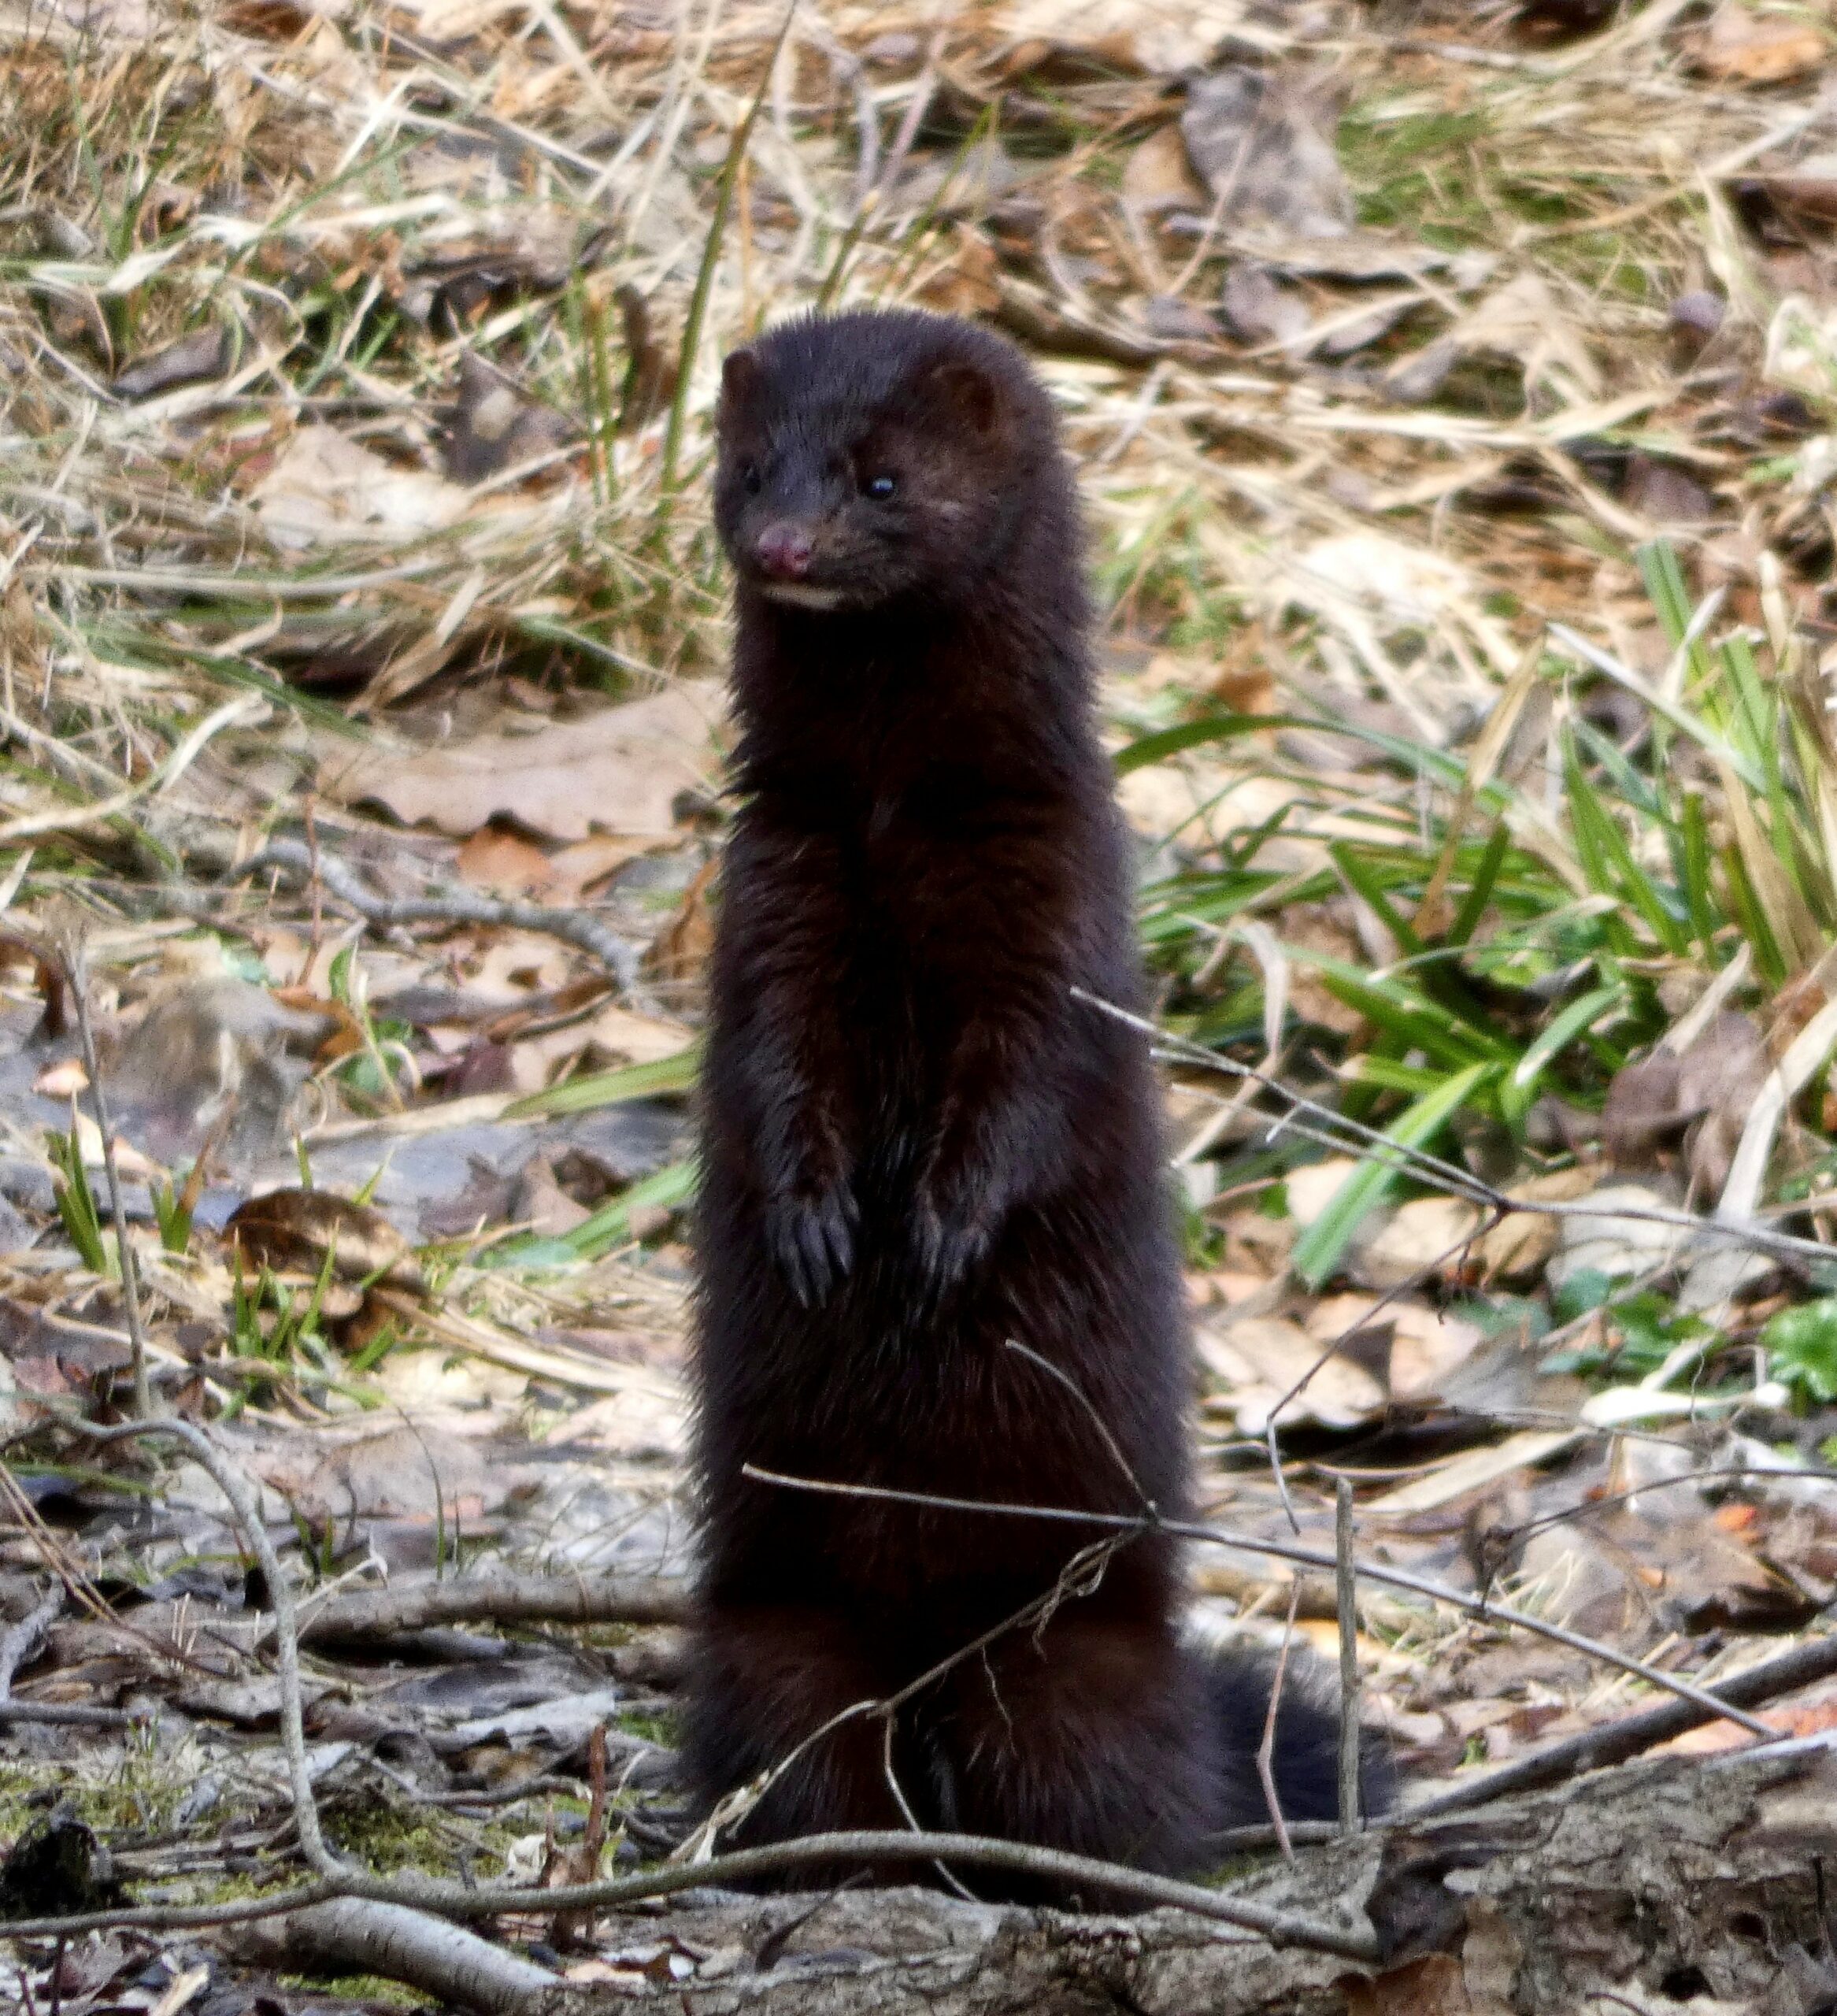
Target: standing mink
(921, 1143)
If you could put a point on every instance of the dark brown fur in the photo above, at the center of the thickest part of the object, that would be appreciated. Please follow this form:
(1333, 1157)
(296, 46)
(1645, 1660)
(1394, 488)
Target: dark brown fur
(919, 1144)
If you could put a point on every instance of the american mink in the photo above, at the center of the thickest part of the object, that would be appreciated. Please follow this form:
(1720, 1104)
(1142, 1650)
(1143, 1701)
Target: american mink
(919, 1144)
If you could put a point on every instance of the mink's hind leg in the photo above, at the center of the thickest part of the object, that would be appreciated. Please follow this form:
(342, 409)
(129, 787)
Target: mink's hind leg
(1089, 1736)
(763, 1679)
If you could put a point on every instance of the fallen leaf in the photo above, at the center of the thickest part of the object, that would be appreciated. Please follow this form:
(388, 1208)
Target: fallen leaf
(325, 490)
(1427, 1236)
(1434, 1985)
(613, 1036)
(1600, 1241)
(1720, 1075)
(1642, 1109)
(503, 862)
(1259, 142)
(1522, 321)
(1258, 1358)
(1158, 176)
(1143, 37)
(1809, 187)
(621, 770)
(205, 354)
(1413, 1349)
(1259, 309)
(1517, 1248)
(1710, 1091)
(412, 1471)
(1748, 45)
(648, 1417)
(1667, 493)
(679, 952)
(1801, 1718)
(212, 1059)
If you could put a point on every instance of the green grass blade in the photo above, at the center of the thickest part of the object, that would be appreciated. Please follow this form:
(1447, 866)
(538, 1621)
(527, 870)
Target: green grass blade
(1480, 892)
(724, 201)
(1562, 1030)
(1693, 872)
(1317, 1251)
(663, 1075)
(1189, 735)
(610, 1226)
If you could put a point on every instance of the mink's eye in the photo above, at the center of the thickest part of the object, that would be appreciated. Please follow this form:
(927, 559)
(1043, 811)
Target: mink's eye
(879, 487)
(750, 479)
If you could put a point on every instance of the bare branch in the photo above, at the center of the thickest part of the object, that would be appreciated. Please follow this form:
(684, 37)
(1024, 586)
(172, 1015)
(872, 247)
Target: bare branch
(574, 927)
(1345, 1579)
(572, 1599)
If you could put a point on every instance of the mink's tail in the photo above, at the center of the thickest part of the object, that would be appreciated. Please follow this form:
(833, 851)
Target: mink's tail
(1304, 1758)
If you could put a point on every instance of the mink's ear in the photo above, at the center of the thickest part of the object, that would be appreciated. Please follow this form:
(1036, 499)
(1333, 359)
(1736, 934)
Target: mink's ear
(966, 393)
(740, 380)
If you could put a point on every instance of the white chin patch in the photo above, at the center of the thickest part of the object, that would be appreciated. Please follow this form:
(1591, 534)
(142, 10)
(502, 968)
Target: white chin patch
(800, 595)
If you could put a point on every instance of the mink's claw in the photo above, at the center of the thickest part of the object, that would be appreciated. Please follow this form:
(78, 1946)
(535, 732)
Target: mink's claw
(945, 1249)
(812, 1240)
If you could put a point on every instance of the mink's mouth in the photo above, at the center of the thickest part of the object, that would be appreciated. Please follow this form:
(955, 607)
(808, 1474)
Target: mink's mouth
(802, 595)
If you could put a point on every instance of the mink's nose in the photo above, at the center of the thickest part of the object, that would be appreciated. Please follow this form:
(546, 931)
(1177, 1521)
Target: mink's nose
(784, 551)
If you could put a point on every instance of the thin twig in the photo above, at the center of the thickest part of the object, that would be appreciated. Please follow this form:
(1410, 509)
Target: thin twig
(1422, 1585)
(1266, 1749)
(76, 970)
(1090, 1414)
(1080, 1575)
(1346, 1588)
(1395, 1292)
(458, 1900)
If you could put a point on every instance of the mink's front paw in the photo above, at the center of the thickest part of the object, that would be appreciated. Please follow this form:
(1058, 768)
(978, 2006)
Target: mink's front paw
(947, 1245)
(812, 1240)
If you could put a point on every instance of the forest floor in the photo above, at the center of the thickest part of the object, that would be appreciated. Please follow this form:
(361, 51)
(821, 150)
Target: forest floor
(1453, 387)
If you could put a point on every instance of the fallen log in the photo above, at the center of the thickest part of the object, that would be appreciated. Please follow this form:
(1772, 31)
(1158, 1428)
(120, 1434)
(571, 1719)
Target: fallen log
(1639, 1888)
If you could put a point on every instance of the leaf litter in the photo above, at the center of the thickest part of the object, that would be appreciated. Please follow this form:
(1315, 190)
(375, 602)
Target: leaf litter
(355, 373)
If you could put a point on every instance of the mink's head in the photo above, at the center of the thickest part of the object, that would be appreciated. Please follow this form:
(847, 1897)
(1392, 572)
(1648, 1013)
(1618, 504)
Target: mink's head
(878, 454)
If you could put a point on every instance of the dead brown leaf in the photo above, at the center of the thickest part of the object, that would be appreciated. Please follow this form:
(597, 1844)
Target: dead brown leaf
(620, 771)
(205, 354)
(1066, 40)
(325, 489)
(1158, 176)
(1517, 1248)
(1260, 142)
(1759, 45)
(506, 863)
(679, 953)
(1256, 1359)
(1708, 1091)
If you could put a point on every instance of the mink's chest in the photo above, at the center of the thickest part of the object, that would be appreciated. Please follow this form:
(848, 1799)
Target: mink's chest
(927, 888)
